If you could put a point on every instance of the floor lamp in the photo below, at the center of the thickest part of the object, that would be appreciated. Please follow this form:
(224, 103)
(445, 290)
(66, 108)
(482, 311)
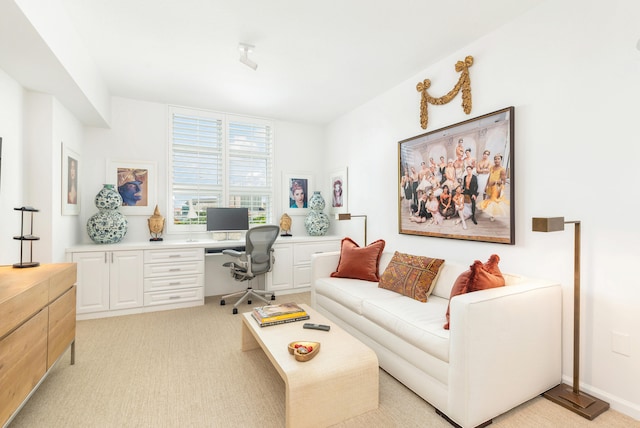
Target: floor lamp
(348, 216)
(570, 397)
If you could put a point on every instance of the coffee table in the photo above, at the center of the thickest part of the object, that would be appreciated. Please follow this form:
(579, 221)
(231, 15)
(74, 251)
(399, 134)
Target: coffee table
(337, 384)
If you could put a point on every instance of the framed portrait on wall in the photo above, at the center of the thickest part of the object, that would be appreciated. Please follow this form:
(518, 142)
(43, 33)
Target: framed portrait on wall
(297, 189)
(337, 197)
(458, 182)
(70, 190)
(136, 181)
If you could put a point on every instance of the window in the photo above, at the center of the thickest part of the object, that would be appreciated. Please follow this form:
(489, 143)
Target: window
(219, 160)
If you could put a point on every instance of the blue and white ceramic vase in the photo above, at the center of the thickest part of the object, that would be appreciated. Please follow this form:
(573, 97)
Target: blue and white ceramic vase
(108, 225)
(316, 222)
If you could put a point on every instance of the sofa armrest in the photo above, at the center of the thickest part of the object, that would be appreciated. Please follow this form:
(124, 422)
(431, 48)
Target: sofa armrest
(505, 348)
(322, 264)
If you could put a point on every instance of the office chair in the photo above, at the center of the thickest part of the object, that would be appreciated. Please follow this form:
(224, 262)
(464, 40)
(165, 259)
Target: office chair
(256, 259)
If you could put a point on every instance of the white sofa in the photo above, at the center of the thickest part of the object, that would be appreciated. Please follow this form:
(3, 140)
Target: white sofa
(503, 348)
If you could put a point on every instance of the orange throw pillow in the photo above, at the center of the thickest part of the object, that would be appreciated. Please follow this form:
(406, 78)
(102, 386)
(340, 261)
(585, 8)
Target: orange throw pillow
(359, 262)
(478, 277)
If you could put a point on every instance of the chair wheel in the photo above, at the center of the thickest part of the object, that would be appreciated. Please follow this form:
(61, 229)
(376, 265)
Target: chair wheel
(222, 303)
(273, 297)
(235, 311)
(248, 302)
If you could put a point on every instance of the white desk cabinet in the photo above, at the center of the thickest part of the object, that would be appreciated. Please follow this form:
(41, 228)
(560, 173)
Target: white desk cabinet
(292, 269)
(108, 280)
(174, 277)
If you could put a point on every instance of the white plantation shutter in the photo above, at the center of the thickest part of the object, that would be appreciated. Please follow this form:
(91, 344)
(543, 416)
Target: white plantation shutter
(219, 160)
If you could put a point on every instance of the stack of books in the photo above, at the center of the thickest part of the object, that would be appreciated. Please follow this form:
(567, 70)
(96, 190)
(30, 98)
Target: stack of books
(279, 314)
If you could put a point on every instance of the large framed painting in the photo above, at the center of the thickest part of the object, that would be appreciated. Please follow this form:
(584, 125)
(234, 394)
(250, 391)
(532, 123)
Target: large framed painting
(298, 188)
(70, 190)
(136, 181)
(457, 182)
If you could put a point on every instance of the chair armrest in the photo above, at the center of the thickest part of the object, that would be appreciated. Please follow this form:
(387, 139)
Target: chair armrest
(505, 348)
(233, 253)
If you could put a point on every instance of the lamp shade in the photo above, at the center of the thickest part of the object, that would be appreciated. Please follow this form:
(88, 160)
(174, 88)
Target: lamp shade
(547, 224)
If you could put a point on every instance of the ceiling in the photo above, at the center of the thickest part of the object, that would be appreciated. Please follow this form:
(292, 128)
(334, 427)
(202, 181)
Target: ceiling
(316, 61)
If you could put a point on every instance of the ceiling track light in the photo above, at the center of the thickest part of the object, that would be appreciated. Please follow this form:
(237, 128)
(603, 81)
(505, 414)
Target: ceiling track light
(245, 49)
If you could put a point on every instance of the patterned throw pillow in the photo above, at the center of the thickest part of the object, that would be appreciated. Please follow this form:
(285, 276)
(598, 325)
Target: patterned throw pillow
(359, 262)
(412, 276)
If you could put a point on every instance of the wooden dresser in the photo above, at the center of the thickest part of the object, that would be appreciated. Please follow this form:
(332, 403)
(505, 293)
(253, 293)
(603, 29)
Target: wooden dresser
(37, 324)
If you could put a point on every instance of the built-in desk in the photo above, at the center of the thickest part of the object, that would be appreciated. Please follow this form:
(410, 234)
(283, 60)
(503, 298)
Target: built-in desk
(127, 278)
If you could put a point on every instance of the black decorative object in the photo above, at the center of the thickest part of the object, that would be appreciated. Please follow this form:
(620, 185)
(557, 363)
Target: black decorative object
(22, 238)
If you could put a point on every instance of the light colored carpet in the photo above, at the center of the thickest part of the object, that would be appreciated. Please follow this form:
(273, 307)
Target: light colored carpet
(184, 368)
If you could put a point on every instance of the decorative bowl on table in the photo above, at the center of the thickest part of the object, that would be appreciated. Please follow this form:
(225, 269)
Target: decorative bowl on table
(303, 350)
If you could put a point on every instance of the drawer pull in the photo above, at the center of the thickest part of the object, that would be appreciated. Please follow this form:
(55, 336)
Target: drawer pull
(174, 270)
(174, 297)
(174, 283)
(173, 256)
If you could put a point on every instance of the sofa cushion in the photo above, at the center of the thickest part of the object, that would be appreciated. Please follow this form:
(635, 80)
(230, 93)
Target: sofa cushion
(350, 293)
(417, 323)
(412, 276)
(359, 262)
(479, 277)
(447, 277)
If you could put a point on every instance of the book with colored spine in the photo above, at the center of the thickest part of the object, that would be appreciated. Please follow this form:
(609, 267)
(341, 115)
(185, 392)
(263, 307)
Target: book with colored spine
(282, 312)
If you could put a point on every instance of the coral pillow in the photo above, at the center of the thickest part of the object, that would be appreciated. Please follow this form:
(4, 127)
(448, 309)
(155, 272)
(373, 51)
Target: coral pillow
(359, 262)
(412, 276)
(478, 277)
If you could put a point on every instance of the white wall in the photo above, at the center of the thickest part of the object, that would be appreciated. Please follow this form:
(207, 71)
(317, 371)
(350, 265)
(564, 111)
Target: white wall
(572, 72)
(139, 132)
(12, 175)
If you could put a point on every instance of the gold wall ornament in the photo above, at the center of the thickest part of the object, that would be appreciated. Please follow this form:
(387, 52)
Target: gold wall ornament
(464, 83)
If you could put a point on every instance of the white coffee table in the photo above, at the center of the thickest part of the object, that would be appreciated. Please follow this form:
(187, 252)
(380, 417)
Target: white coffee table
(337, 384)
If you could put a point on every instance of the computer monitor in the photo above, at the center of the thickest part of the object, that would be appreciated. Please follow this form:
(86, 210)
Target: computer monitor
(227, 219)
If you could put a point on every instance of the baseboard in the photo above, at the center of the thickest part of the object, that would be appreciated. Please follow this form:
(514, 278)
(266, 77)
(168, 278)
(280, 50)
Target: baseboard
(616, 403)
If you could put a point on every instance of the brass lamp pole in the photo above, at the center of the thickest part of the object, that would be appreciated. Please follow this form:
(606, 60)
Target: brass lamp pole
(571, 398)
(348, 216)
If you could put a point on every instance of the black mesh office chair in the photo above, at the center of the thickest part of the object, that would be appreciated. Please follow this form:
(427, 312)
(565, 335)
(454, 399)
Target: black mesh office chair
(256, 259)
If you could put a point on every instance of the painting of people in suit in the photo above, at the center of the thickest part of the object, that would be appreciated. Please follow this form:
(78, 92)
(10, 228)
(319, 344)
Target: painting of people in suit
(466, 171)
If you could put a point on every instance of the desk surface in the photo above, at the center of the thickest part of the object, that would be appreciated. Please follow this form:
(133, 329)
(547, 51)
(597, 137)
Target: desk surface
(175, 243)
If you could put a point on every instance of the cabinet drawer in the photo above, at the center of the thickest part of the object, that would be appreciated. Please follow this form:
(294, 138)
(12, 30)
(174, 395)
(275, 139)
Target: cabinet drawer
(182, 255)
(302, 252)
(175, 296)
(173, 269)
(173, 282)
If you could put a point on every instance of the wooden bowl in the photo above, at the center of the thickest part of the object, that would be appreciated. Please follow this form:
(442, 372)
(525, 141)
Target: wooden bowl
(301, 353)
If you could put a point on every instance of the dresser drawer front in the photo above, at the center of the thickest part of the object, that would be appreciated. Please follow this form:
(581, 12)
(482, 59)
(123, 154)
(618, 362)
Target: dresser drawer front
(302, 252)
(175, 296)
(173, 269)
(180, 255)
(173, 282)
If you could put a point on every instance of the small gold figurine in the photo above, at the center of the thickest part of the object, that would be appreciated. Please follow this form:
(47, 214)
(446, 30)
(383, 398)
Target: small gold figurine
(285, 224)
(156, 225)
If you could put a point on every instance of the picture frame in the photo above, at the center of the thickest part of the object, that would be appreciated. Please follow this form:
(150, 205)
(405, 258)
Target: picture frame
(337, 196)
(70, 184)
(136, 181)
(487, 217)
(301, 181)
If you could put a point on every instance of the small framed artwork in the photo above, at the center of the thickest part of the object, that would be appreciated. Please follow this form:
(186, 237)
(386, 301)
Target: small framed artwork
(70, 190)
(136, 181)
(297, 189)
(337, 197)
(458, 182)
